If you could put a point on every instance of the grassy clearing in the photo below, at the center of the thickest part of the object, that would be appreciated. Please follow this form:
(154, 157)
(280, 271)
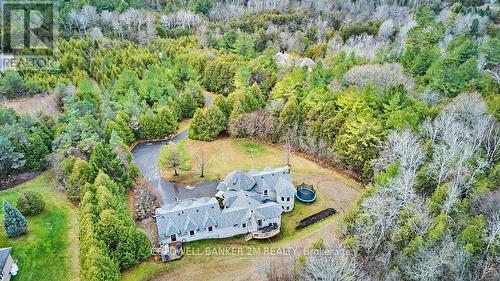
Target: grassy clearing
(144, 271)
(46, 104)
(225, 155)
(49, 251)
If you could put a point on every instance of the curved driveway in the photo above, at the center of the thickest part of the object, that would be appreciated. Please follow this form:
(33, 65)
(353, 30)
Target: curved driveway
(146, 155)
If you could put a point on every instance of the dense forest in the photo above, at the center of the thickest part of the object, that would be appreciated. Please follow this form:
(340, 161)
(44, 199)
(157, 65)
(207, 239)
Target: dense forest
(402, 95)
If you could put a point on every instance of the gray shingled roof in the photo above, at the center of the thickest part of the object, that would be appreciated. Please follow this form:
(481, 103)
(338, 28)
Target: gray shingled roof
(285, 188)
(4, 254)
(242, 193)
(222, 186)
(268, 210)
(269, 178)
(186, 215)
(237, 180)
(209, 221)
(233, 216)
(244, 201)
(197, 216)
(231, 195)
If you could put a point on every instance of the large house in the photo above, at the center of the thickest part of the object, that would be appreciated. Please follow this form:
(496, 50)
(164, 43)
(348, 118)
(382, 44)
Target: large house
(7, 265)
(245, 203)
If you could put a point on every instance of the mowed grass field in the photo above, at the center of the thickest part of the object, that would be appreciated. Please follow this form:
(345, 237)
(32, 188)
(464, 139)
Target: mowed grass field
(49, 250)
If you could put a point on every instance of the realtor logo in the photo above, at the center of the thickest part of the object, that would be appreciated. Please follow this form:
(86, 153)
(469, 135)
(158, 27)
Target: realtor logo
(29, 34)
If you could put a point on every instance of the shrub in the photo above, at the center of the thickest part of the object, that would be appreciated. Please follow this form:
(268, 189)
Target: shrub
(30, 203)
(14, 222)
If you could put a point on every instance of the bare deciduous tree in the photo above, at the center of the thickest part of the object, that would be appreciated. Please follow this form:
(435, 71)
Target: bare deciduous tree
(363, 45)
(332, 263)
(202, 162)
(145, 200)
(385, 75)
(281, 268)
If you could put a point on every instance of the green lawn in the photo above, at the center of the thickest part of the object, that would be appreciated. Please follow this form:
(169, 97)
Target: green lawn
(48, 250)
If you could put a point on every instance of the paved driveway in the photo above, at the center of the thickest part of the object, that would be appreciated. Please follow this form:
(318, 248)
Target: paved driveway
(146, 155)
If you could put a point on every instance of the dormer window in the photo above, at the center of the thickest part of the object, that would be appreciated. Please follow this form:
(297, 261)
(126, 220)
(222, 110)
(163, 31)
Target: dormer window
(265, 192)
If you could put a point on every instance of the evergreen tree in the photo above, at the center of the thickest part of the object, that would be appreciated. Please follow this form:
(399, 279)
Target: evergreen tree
(14, 222)
(198, 127)
(120, 125)
(223, 105)
(207, 124)
(167, 123)
(174, 107)
(81, 174)
(31, 203)
(9, 158)
(105, 159)
(147, 125)
(195, 89)
(187, 104)
(216, 122)
(292, 114)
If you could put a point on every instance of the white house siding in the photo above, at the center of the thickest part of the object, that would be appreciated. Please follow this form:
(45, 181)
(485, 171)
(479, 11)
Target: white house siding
(286, 205)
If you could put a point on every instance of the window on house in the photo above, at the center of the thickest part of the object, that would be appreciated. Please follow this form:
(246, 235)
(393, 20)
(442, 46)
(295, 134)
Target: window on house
(288, 199)
(191, 232)
(265, 192)
(287, 208)
(173, 237)
(210, 228)
(282, 198)
(259, 223)
(244, 225)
